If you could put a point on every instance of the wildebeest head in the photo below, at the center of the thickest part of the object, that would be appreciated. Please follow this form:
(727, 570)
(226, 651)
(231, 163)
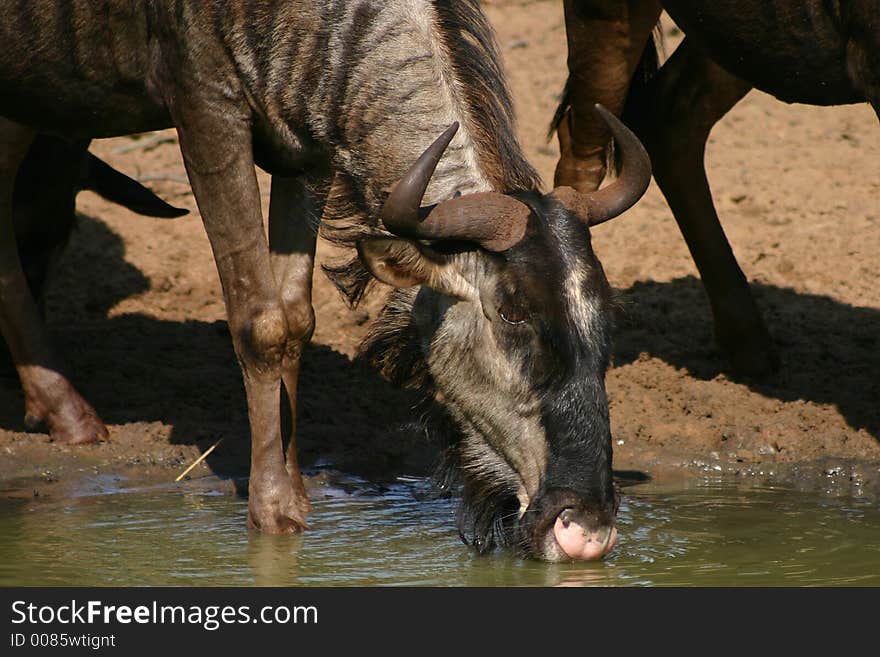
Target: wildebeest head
(508, 309)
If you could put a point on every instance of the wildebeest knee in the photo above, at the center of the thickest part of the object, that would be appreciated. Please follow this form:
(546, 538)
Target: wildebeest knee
(262, 338)
(300, 317)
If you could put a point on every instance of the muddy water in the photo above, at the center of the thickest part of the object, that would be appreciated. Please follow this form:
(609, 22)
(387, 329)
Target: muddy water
(707, 534)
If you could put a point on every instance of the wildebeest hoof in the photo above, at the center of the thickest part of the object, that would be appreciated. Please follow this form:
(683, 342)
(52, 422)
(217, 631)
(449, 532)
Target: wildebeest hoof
(88, 430)
(272, 522)
(754, 359)
(72, 421)
(748, 346)
(755, 365)
(284, 514)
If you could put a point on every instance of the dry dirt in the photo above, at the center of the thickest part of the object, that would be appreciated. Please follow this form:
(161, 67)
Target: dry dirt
(137, 314)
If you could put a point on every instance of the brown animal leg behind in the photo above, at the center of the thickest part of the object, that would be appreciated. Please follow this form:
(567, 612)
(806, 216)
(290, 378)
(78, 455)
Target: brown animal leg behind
(295, 209)
(49, 396)
(687, 97)
(55, 170)
(225, 186)
(44, 205)
(863, 56)
(606, 39)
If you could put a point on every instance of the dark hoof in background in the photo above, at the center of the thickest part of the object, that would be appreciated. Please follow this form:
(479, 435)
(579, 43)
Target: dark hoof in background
(751, 353)
(754, 360)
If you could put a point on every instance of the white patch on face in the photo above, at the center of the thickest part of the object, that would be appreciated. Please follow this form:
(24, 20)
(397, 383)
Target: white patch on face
(582, 308)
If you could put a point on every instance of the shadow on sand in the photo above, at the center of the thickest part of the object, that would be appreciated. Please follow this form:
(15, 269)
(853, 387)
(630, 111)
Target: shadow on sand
(135, 368)
(830, 350)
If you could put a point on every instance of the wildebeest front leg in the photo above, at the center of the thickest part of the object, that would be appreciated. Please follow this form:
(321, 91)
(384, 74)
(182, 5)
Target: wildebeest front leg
(295, 210)
(688, 96)
(225, 186)
(606, 39)
(49, 396)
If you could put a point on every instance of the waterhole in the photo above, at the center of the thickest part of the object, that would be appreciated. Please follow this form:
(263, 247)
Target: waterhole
(711, 534)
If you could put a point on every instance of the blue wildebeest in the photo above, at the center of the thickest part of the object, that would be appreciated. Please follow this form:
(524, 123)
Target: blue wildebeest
(503, 308)
(804, 51)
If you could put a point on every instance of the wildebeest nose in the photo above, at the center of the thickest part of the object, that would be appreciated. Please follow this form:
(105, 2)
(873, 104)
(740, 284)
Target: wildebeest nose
(581, 536)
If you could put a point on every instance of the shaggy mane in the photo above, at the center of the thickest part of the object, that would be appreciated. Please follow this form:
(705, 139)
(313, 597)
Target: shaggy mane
(470, 45)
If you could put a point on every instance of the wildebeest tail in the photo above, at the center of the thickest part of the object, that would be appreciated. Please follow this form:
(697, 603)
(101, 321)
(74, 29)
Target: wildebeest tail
(113, 185)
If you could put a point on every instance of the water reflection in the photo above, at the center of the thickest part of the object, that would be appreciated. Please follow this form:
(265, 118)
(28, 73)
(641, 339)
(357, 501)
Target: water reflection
(272, 560)
(714, 534)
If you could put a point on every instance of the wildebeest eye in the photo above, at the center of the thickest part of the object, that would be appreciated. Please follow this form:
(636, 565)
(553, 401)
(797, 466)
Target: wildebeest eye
(513, 313)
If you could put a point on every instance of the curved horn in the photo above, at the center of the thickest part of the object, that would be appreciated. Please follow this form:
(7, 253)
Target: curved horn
(622, 194)
(494, 221)
(400, 213)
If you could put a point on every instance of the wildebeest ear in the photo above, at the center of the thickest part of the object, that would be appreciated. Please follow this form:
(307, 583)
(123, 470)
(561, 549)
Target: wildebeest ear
(401, 263)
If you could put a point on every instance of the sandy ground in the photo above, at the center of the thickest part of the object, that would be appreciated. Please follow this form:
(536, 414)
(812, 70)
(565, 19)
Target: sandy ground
(137, 314)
